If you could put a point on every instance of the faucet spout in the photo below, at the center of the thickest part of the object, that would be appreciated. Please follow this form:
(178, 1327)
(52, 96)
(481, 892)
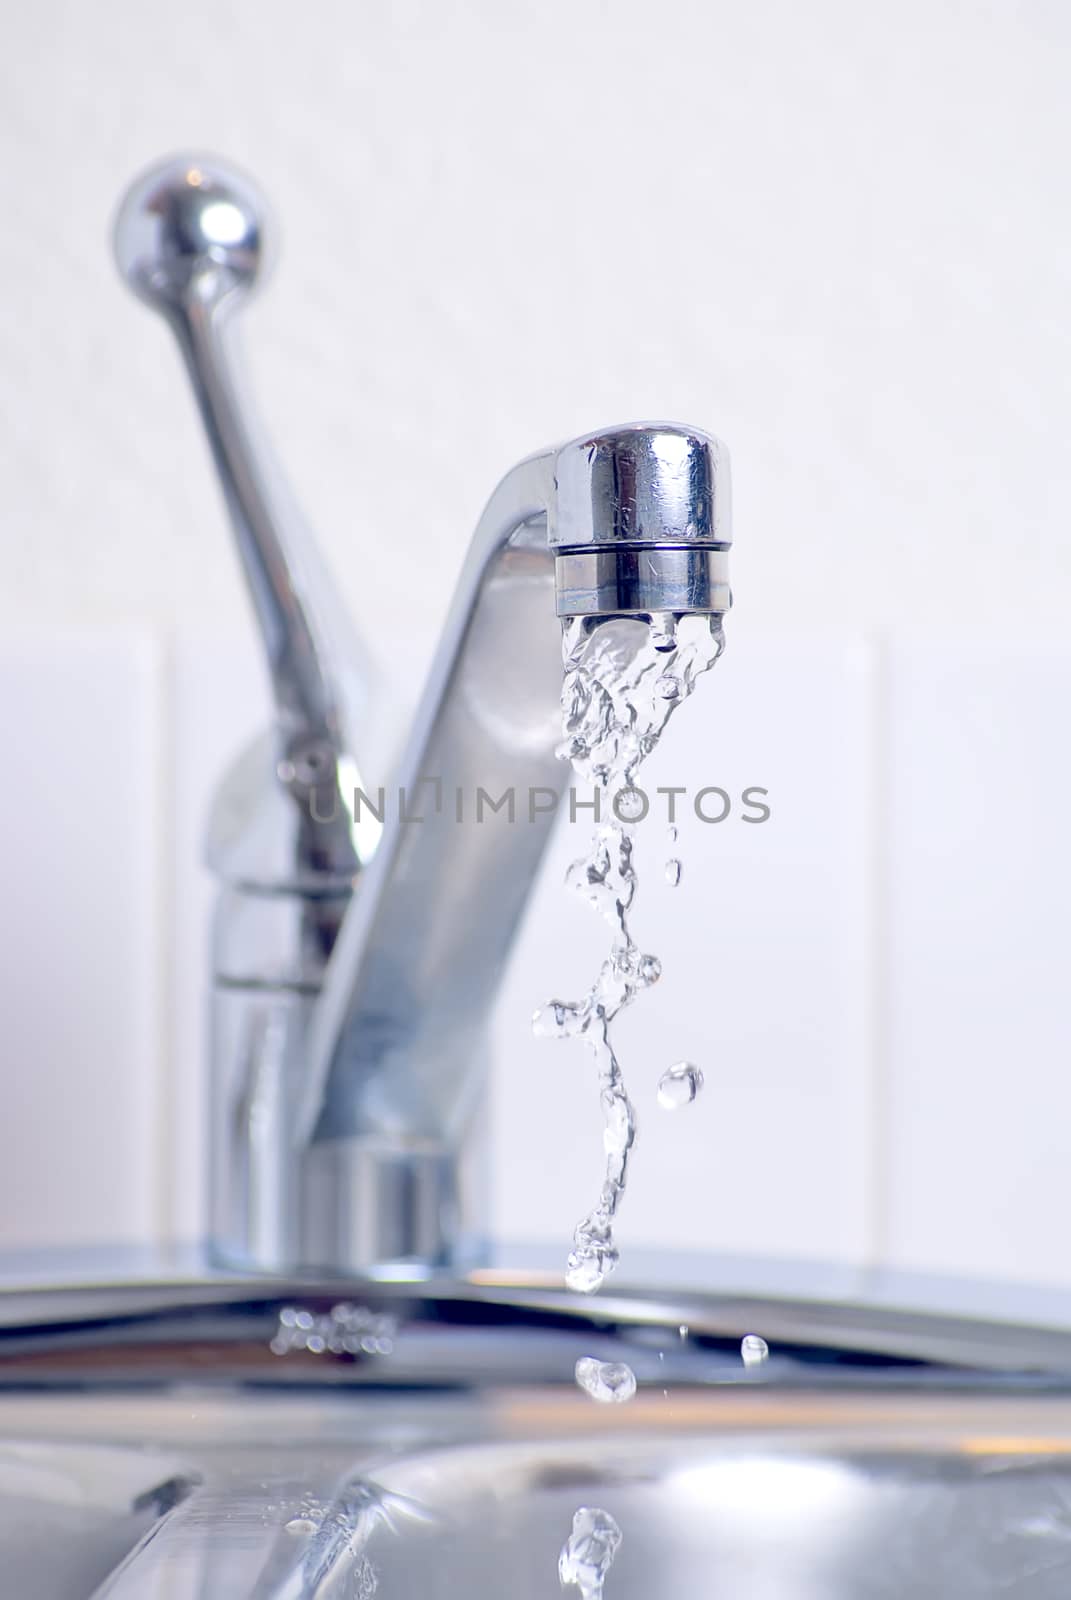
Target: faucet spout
(631, 521)
(398, 1040)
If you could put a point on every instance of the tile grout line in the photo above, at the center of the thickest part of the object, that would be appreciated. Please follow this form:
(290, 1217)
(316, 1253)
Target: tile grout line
(165, 916)
(878, 998)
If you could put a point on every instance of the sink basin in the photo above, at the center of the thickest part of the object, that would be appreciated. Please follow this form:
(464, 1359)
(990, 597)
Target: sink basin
(816, 1503)
(242, 1439)
(798, 1496)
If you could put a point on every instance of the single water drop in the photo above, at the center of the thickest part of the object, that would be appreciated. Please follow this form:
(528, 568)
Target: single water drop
(753, 1350)
(679, 1085)
(593, 1256)
(683, 1331)
(587, 1555)
(667, 687)
(630, 805)
(671, 833)
(606, 1381)
(649, 970)
(583, 1274)
(301, 1525)
(673, 872)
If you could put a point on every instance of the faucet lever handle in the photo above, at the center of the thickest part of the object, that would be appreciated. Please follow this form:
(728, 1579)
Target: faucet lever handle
(191, 241)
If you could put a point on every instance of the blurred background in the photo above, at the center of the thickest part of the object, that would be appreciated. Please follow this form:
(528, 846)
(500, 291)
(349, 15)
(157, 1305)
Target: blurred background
(836, 236)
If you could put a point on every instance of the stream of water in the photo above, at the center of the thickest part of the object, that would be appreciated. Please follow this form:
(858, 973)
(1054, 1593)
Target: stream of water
(623, 680)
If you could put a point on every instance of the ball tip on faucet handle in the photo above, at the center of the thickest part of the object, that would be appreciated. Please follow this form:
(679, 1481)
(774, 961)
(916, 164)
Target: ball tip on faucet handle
(192, 229)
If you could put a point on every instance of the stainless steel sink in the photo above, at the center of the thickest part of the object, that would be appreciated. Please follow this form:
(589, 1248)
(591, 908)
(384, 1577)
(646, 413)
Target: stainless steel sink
(71, 1513)
(796, 1495)
(244, 1439)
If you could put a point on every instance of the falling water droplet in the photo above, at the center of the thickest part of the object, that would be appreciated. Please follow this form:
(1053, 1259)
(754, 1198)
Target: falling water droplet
(588, 1553)
(679, 1085)
(683, 1331)
(590, 1261)
(671, 834)
(753, 1350)
(630, 805)
(606, 1381)
(673, 872)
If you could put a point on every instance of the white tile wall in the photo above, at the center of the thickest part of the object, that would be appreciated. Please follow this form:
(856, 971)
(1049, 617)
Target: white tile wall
(873, 988)
(81, 927)
(978, 1126)
(871, 980)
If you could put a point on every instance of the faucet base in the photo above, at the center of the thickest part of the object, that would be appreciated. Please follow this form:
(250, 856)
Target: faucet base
(371, 1202)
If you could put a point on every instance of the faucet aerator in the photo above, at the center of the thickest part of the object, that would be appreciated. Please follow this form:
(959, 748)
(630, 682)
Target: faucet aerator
(641, 523)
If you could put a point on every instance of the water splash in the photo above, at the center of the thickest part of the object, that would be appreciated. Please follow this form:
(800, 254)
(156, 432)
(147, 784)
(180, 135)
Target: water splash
(615, 706)
(753, 1350)
(588, 1553)
(337, 1536)
(365, 1580)
(301, 1526)
(609, 1382)
(679, 1085)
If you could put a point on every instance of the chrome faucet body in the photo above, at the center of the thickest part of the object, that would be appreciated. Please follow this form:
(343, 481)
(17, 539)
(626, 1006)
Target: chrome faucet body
(358, 950)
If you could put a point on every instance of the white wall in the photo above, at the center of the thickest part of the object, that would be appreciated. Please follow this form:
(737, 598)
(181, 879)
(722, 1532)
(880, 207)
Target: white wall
(836, 235)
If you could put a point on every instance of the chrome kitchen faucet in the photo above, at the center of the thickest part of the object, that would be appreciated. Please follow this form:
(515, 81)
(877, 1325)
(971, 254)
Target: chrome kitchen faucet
(349, 1007)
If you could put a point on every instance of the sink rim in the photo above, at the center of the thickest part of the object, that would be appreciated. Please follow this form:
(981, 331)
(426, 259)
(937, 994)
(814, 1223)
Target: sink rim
(469, 1330)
